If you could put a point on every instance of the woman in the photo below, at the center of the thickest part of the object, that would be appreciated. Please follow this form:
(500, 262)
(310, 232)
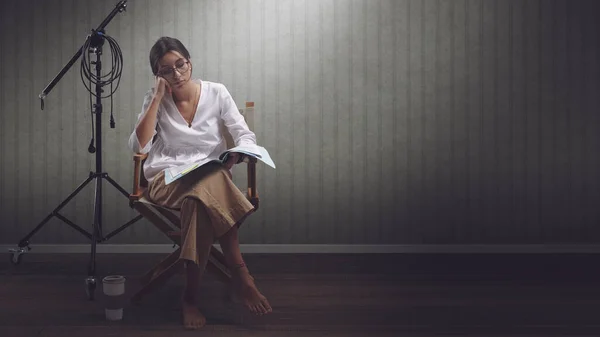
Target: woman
(179, 124)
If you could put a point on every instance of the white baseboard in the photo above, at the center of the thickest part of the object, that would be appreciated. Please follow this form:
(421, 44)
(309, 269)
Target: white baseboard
(320, 248)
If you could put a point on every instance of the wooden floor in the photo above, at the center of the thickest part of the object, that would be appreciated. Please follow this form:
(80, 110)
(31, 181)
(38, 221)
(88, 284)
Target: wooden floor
(321, 295)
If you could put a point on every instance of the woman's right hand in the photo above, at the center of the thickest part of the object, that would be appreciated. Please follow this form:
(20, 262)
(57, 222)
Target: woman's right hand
(161, 86)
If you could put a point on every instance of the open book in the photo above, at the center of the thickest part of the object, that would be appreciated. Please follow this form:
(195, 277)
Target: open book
(259, 152)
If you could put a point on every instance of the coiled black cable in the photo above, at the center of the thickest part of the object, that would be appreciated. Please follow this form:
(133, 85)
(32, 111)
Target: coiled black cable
(108, 78)
(89, 77)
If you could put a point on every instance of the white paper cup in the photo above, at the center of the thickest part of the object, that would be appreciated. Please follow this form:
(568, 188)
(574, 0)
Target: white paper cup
(113, 287)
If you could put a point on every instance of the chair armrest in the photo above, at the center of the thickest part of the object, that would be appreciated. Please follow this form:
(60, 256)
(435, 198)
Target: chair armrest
(138, 160)
(252, 191)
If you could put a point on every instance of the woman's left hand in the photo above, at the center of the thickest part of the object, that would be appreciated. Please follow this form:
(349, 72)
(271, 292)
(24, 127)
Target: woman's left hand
(232, 159)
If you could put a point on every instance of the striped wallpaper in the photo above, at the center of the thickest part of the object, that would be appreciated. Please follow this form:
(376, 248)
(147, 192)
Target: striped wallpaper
(390, 121)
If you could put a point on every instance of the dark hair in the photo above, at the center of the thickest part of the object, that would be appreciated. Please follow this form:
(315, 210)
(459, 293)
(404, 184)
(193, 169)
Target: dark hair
(163, 46)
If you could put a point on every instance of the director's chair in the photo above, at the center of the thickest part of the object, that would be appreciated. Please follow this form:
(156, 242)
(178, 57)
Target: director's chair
(168, 220)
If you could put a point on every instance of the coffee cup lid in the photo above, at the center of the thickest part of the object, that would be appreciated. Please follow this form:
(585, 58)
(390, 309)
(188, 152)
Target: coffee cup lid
(114, 279)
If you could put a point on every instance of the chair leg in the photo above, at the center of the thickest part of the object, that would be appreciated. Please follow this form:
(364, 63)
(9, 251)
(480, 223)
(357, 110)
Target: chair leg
(162, 265)
(169, 266)
(217, 265)
(218, 255)
(158, 280)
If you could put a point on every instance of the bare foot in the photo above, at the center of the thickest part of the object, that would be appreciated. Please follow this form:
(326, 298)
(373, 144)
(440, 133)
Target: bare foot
(245, 290)
(192, 317)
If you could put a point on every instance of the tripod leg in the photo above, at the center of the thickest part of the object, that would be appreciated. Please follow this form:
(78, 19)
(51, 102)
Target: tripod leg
(116, 185)
(25, 241)
(126, 194)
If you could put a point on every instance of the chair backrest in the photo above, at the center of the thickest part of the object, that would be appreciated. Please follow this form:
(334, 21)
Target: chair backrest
(247, 112)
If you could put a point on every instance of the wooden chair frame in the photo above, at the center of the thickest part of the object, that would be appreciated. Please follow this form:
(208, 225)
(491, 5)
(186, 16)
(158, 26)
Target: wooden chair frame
(168, 222)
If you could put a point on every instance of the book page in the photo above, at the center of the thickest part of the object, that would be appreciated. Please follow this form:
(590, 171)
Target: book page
(256, 151)
(259, 152)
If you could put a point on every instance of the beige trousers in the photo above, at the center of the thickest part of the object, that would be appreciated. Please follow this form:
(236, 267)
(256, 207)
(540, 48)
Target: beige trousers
(205, 196)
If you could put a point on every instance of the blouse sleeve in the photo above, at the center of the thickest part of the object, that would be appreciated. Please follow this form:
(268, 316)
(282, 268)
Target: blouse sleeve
(233, 120)
(134, 142)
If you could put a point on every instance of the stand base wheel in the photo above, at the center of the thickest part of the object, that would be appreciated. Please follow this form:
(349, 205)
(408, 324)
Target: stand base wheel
(15, 259)
(16, 254)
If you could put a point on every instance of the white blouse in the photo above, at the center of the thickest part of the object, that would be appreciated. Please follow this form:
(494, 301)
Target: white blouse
(177, 143)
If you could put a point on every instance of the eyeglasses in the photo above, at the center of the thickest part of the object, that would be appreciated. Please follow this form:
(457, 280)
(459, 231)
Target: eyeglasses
(182, 67)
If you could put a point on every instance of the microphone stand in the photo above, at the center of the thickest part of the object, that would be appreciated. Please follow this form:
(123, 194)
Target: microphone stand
(96, 41)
